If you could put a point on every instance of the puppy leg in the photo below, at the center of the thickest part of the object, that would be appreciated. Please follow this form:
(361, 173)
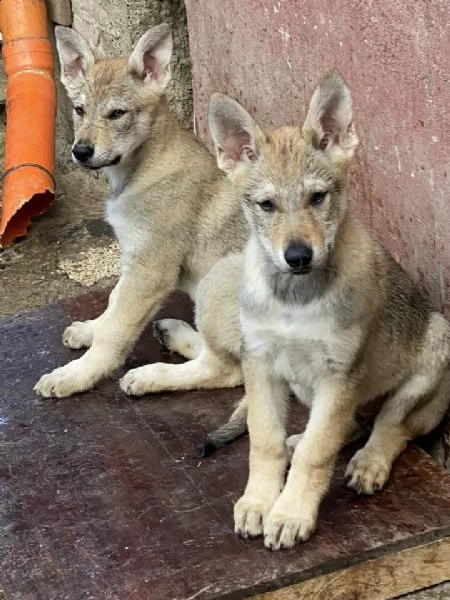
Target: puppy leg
(356, 432)
(207, 371)
(178, 336)
(267, 399)
(414, 410)
(80, 334)
(293, 517)
(134, 302)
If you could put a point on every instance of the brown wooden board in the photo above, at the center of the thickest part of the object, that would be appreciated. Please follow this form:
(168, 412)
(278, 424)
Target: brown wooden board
(103, 497)
(387, 576)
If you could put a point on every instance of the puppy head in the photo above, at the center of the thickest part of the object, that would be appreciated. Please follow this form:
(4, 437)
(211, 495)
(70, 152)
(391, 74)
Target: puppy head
(293, 179)
(115, 100)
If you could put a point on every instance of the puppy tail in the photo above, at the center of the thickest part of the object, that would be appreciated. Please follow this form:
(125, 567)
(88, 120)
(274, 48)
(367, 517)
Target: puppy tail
(234, 428)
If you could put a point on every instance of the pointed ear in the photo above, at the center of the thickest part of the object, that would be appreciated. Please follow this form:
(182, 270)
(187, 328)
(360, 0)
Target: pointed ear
(237, 138)
(75, 56)
(150, 59)
(328, 125)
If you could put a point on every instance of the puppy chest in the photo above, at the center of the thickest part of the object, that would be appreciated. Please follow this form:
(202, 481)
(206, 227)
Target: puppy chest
(301, 363)
(300, 350)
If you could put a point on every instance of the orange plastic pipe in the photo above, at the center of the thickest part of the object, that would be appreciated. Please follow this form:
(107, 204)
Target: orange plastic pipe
(28, 182)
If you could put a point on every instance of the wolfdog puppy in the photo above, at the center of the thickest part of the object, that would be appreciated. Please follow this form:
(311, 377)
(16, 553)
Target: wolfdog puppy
(329, 315)
(323, 312)
(175, 214)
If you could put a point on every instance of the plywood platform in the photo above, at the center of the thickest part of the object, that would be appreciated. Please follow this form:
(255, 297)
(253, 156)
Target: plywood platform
(103, 496)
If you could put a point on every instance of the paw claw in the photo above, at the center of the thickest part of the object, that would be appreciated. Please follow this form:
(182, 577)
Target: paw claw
(131, 385)
(65, 381)
(282, 532)
(249, 517)
(158, 332)
(367, 472)
(178, 336)
(78, 335)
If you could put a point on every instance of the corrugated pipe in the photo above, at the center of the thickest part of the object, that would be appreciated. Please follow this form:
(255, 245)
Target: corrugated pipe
(28, 181)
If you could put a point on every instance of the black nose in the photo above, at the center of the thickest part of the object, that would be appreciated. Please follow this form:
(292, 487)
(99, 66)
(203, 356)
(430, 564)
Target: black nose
(298, 256)
(83, 152)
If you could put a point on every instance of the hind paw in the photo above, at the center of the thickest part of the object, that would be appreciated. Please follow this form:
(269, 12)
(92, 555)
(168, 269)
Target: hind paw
(79, 335)
(178, 336)
(367, 472)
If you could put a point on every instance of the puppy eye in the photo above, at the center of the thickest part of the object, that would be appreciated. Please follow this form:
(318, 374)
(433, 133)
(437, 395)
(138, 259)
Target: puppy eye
(79, 110)
(317, 198)
(267, 205)
(116, 114)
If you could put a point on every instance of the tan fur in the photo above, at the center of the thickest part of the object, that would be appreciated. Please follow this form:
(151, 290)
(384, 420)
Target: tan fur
(175, 214)
(346, 328)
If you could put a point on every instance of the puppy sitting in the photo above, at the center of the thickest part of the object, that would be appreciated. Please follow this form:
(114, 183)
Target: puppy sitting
(326, 314)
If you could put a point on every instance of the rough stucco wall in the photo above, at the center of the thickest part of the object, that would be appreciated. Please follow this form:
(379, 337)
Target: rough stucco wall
(122, 23)
(395, 56)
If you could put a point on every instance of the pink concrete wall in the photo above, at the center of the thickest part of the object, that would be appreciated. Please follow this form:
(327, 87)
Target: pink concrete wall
(396, 58)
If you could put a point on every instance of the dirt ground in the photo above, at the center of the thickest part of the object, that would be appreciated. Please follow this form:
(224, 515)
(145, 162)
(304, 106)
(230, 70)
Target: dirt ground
(68, 249)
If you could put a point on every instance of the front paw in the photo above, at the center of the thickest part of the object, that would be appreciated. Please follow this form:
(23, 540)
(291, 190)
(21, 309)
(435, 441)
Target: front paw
(62, 382)
(250, 514)
(78, 335)
(285, 527)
